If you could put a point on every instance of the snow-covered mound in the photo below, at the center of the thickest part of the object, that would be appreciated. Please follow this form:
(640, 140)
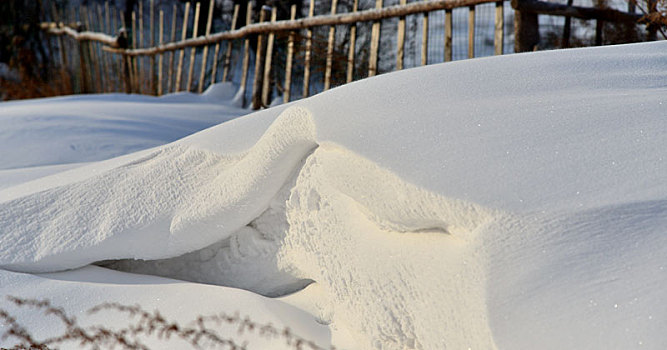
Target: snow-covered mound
(514, 202)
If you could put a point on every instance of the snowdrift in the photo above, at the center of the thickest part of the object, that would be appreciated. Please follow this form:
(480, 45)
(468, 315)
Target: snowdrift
(513, 202)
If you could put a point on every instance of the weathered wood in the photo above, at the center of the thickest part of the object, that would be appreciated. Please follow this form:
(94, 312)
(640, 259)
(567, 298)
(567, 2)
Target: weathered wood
(309, 22)
(309, 48)
(172, 38)
(193, 51)
(375, 43)
(105, 74)
(125, 61)
(140, 72)
(567, 28)
(209, 20)
(352, 48)
(61, 45)
(471, 32)
(330, 47)
(259, 52)
(161, 57)
(400, 41)
(214, 69)
(246, 55)
(499, 29)
(230, 43)
(448, 35)
(526, 29)
(554, 9)
(184, 33)
(290, 58)
(266, 86)
(108, 57)
(424, 53)
(135, 79)
(61, 29)
(96, 74)
(151, 30)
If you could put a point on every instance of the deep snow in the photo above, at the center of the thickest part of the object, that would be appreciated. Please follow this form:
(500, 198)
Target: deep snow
(513, 202)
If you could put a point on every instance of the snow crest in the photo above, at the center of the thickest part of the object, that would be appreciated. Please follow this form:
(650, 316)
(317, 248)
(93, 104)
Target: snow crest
(286, 213)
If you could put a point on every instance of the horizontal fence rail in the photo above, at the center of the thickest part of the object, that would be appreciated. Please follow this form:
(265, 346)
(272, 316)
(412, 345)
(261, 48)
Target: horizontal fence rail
(134, 59)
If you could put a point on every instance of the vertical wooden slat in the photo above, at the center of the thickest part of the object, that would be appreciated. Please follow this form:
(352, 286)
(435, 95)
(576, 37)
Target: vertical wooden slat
(400, 41)
(448, 35)
(266, 86)
(290, 58)
(135, 79)
(246, 55)
(214, 68)
(230, 43)
(161, 58)
(125, 63)
(500, 25)
(471, 31)
(104, 56)
(309, 47)
(352, 48)
(184, 33)
(140, 70)
(193, 51)
(95, 73)
(375, 44)
(424, 55)
(259, 51)
(61, 48)
(83, 55)
(205, 54)
(172, 53)
(330, 47)
(151, 31)
(110, 66)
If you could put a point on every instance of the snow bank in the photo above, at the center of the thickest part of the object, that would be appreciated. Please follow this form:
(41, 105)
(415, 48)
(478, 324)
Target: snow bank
(513, 202)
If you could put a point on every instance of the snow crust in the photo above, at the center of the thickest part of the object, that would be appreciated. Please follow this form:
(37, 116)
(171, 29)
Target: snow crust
(513, 202)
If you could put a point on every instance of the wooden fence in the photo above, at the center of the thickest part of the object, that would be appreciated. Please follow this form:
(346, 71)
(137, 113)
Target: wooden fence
(126, 61)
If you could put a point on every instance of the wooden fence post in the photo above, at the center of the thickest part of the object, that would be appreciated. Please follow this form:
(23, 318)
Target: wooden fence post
(526, 29)
(499, 29)
(209, 19)
(400, 41)
(424, 53)
(172, 38)
(471, 32)
(330, 47)
(375, 44)
(246, 55)
(161, 58)
(309, 47)
(259, 53)
(193, 51)
(352, 48)
(184, 33)
(448, 35)
(290, 58)
(266, 86)
(230, 43)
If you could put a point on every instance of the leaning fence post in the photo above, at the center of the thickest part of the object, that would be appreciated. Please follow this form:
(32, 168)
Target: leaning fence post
(83, 64)
(448, 35)
(161, 58)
